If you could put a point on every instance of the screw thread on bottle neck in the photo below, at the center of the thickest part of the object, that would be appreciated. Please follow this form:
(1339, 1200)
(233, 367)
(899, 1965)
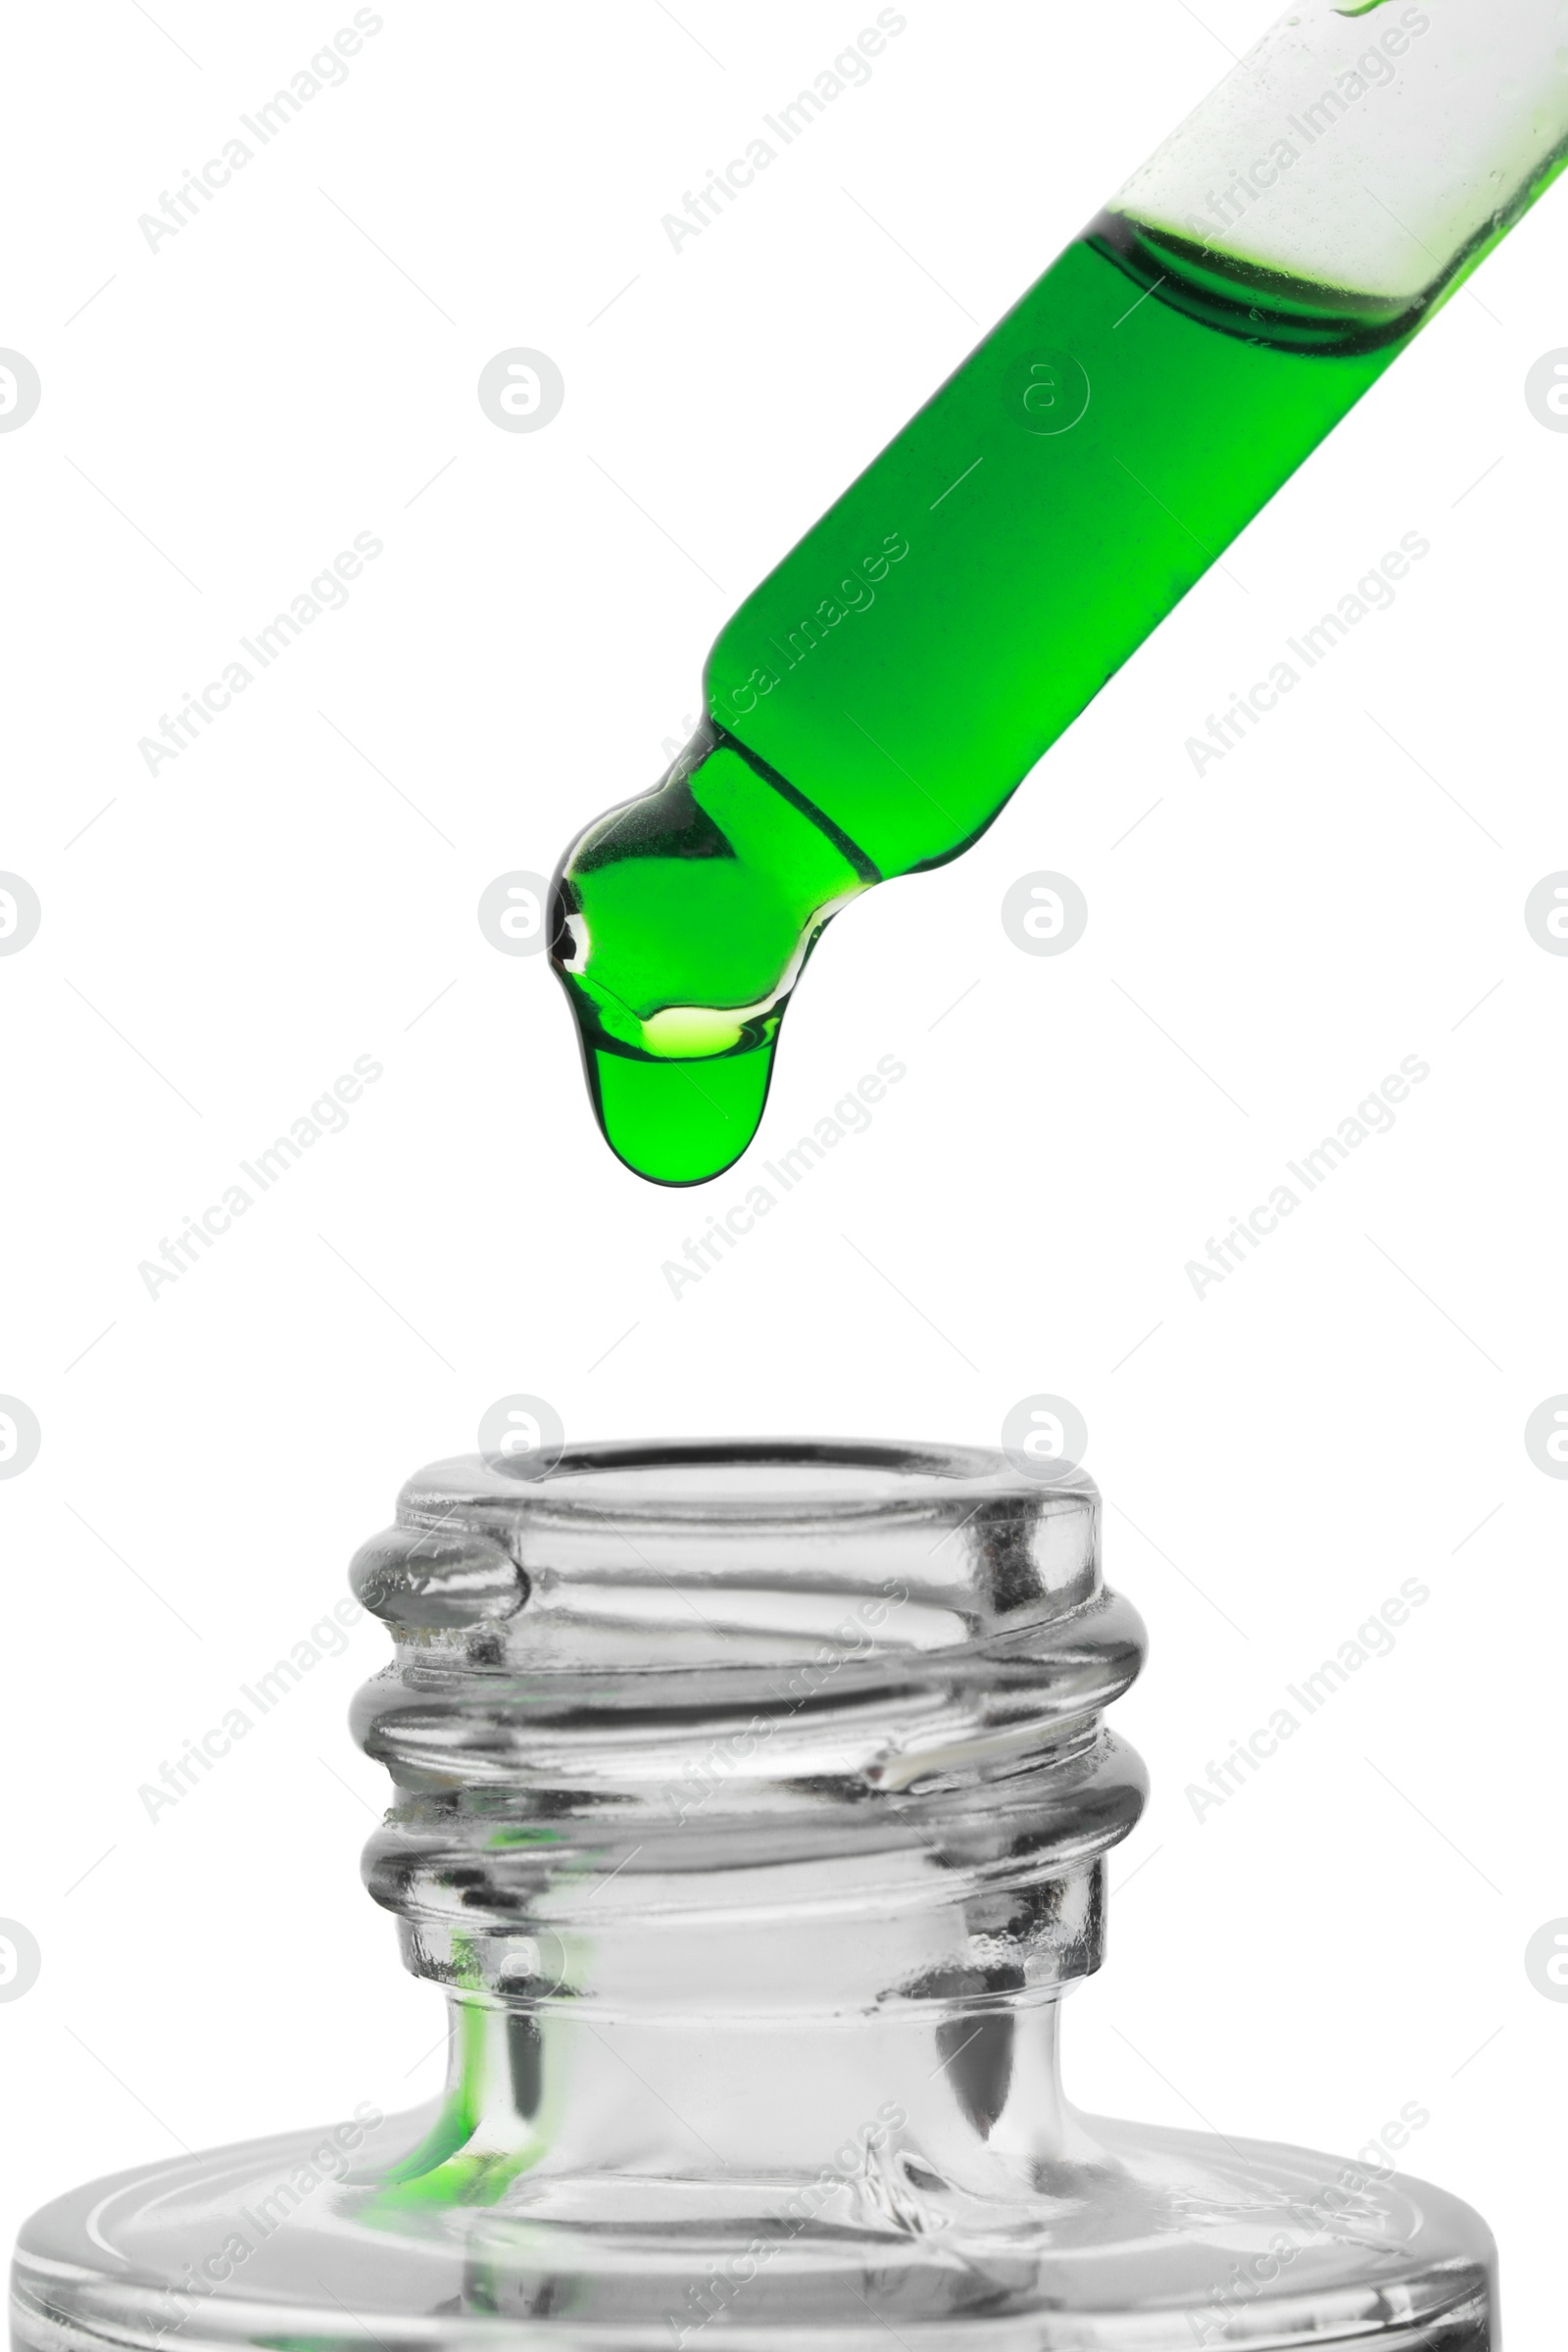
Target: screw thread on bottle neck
(748, 1732)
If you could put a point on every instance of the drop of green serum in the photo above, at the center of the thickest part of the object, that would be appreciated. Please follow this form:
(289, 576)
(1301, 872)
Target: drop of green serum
(874, 704)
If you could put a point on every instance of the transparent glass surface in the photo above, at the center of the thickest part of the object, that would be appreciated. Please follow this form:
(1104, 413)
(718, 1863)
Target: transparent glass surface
(751, 1807)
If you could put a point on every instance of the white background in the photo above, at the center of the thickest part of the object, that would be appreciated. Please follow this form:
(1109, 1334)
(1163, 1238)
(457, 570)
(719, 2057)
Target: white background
(298, 365)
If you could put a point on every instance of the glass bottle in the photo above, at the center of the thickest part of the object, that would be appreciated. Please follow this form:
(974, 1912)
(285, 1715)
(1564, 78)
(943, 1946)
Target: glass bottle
(753, 1807)
(876, 699)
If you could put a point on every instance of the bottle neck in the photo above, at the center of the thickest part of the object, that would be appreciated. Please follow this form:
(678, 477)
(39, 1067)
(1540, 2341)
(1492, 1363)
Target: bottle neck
(678, 2056)
(753, 1807)
(816, 2105)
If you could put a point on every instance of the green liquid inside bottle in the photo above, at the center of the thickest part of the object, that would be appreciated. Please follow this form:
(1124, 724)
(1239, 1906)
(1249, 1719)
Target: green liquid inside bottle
(874, 703)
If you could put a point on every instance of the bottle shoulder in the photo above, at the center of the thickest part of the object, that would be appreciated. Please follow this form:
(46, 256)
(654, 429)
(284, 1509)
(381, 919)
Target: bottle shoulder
(1124, 2235)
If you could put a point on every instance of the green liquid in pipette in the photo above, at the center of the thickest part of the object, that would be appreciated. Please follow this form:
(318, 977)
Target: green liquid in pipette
(874, 703)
